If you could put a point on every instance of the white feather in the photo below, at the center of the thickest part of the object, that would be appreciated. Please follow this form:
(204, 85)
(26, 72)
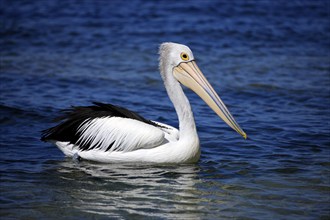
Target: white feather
(123, 133)
(171, 133)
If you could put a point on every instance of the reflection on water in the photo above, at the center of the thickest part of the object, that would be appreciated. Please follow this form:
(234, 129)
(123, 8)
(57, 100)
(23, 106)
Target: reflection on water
(269, 61)
(129, 190)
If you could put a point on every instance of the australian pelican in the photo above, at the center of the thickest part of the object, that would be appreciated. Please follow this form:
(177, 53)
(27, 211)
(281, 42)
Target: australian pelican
(108, 133)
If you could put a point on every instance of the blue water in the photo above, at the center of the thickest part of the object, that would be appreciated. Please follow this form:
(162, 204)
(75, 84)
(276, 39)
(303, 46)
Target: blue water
(268, 60)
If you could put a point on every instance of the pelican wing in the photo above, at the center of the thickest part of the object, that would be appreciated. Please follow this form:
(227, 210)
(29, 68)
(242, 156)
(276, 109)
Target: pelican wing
(107, 128)
(118, 134)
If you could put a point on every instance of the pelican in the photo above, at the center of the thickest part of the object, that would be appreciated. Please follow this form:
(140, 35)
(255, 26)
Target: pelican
(112, 134)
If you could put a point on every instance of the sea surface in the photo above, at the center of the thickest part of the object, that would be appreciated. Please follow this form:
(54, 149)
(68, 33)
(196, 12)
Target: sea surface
(268, 60)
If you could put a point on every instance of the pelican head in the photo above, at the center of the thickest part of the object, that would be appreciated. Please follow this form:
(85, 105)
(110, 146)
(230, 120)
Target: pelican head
(183, 68)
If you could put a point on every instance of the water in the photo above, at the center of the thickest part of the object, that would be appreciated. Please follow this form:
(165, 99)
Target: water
(268, 60)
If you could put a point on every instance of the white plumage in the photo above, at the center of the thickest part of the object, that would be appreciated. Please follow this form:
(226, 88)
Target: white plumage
(125, 134)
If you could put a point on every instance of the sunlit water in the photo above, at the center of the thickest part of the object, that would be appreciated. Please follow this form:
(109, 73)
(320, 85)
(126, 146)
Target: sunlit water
(269, 61)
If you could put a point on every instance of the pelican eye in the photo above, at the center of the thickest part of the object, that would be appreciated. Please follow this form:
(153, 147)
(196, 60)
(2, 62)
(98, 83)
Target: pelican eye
(184, 56)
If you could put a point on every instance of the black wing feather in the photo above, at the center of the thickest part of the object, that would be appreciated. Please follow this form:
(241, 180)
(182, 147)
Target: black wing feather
(75, 117)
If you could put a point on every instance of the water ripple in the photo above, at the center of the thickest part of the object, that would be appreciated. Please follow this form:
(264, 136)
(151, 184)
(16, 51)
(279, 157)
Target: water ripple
(269, 62)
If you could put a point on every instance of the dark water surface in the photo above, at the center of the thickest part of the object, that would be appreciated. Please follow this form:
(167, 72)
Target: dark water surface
(268, 60)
